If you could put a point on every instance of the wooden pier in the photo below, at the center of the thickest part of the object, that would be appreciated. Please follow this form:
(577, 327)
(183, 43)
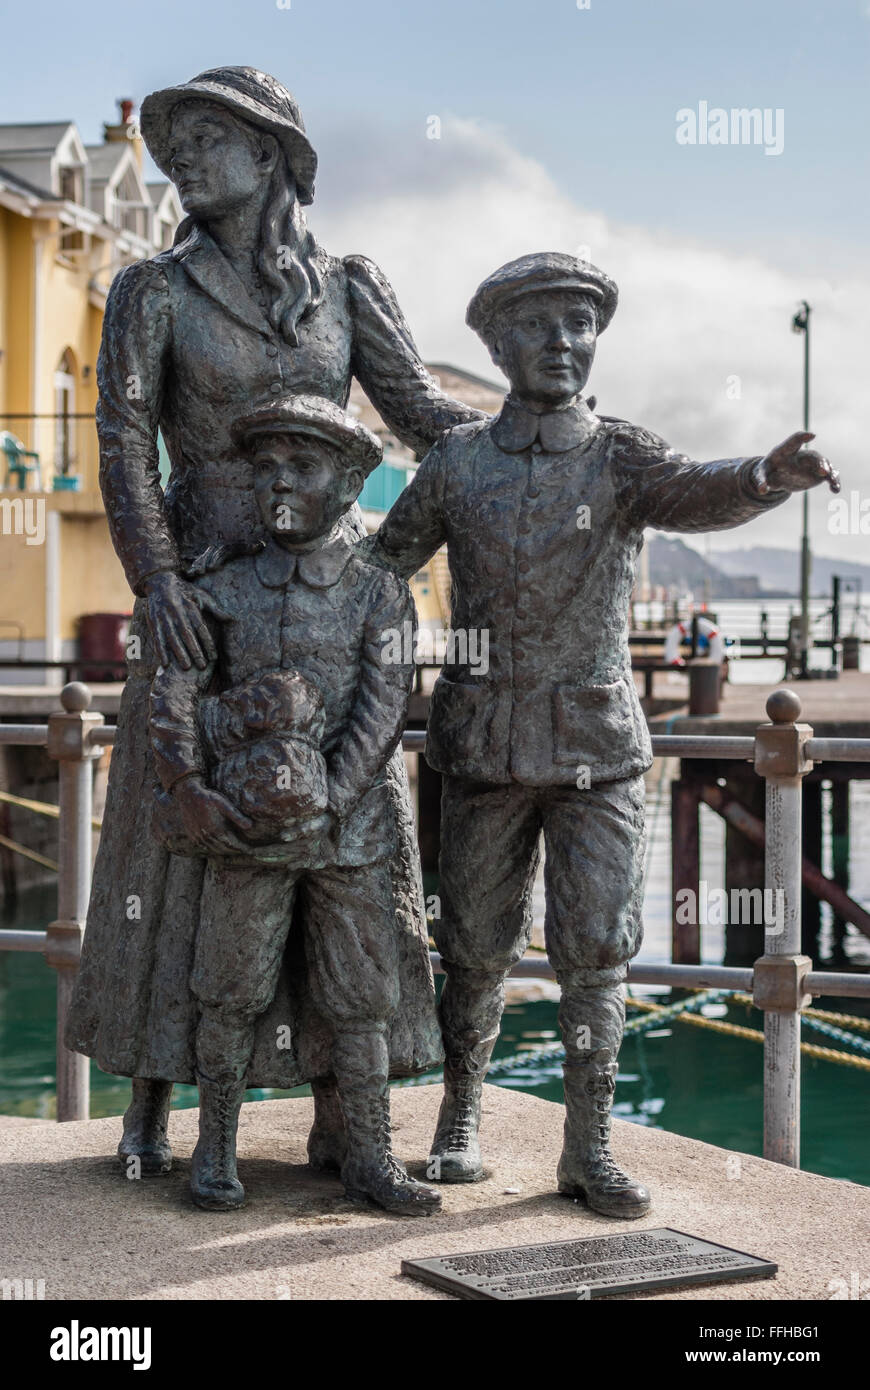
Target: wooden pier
(834, 709)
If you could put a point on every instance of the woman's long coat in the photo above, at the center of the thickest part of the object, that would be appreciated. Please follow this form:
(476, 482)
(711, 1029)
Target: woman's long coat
(187, 350)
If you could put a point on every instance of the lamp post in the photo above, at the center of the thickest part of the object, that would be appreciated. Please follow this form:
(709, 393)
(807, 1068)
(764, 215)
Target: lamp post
(801, 324)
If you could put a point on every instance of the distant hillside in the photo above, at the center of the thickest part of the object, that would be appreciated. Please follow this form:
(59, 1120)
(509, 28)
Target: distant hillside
(672, 563)
(780, 569)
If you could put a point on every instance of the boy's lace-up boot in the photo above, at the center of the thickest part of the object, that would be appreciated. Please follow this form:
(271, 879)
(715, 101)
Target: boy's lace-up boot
(145, 1124)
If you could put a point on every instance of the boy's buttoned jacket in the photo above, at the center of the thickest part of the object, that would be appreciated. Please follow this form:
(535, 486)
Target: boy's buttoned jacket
(543, 517)
(328, 614)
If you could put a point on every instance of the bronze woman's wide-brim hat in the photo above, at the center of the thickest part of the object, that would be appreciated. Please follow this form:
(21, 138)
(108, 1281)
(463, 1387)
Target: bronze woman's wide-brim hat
(314, 415)
(253, 95)
(544, 270)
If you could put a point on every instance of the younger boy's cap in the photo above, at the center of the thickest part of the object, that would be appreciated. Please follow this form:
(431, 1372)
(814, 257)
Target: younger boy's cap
(312, 415)
(545, 270)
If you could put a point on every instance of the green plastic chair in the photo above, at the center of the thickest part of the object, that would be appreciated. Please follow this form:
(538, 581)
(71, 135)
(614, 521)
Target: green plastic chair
(15, 465)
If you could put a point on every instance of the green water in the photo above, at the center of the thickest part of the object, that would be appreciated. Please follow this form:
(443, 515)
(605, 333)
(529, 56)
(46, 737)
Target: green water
(680, 1077)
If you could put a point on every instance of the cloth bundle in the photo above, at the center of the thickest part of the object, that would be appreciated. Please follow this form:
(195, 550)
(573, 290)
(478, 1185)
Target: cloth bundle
(262, 740)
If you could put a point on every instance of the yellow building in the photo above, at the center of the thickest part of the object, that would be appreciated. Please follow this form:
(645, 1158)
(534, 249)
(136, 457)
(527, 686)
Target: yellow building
(71, 216)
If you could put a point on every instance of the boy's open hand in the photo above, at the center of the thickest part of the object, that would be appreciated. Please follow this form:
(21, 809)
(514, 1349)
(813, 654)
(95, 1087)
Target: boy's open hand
(208, 818)
(792, 468)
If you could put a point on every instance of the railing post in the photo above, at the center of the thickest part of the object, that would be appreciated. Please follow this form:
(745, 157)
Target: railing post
(68, 741)
(779, 974)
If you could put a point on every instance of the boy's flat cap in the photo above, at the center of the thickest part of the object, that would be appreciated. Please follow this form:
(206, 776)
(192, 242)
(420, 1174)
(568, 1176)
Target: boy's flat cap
(313, 415)
(544, 270)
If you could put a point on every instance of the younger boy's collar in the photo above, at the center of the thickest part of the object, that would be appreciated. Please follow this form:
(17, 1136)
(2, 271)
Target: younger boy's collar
(320, 564)
(516, 427)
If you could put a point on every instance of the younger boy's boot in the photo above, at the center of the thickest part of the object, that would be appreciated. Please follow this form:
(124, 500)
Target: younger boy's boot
(327, 1142)
(145, 1123)
(214, 1181)
(223, 1048)
(470, 1009)
(370, 1172)
(592, 1023)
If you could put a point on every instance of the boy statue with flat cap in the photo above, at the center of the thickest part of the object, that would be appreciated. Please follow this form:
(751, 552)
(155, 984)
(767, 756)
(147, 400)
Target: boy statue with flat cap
(543, 510)
(273, 764)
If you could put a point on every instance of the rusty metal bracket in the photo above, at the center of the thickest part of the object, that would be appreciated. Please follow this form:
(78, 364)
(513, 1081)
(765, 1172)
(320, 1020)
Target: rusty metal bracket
(69, 736)
(779, 750)
(778, 983)
(63, 944)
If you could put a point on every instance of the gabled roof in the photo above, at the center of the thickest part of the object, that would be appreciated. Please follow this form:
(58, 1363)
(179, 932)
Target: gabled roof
(20, 185)
(103, 160)
(40, 137)
(159, 192)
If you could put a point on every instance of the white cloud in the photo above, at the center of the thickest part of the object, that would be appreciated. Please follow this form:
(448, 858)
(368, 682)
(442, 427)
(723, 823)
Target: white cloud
(438, 216)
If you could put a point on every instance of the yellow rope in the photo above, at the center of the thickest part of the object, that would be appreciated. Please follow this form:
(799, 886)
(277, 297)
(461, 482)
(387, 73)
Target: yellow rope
(827, 1054)
(735, 1030)
(825, 1015)
(719, 1025)
(42, 808)
(28, 853)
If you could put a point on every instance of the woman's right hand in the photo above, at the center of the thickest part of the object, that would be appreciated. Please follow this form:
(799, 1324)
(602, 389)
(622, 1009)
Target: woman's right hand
(178, 629)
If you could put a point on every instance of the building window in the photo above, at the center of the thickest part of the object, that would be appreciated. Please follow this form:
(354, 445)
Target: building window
(64, 411)
(71, 184)
(129, 212)
(71, 180)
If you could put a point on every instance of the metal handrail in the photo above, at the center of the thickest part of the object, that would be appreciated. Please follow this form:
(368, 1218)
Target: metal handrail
(781, 980)
(838, 750)
(24, 733)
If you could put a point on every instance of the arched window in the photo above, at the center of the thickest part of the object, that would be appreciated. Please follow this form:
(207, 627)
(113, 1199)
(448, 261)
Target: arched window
(64, 410)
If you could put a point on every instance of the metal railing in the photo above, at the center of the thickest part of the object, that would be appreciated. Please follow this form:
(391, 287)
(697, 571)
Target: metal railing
(782, 980)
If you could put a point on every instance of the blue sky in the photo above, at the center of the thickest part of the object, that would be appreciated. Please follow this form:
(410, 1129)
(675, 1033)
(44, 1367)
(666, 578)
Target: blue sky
(592, 93)
(558, 131)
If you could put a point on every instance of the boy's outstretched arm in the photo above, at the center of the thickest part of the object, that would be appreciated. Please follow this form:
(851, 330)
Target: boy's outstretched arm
(672, 492)
(414, 526)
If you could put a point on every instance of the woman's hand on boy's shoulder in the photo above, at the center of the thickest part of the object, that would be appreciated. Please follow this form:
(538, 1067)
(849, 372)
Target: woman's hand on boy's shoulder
(178, 627)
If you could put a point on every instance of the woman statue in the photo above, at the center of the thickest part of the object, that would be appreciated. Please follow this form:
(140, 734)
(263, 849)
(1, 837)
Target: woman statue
(245, 306)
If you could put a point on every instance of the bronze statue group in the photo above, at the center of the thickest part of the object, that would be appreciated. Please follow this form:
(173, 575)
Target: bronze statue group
(258, 806)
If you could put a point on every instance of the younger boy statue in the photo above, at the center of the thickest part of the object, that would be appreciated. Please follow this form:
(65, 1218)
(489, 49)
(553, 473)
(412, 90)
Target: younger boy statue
(543, 510)
(273, 766)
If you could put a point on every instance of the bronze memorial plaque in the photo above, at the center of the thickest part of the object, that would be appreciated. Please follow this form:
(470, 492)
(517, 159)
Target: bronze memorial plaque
(590, 1268)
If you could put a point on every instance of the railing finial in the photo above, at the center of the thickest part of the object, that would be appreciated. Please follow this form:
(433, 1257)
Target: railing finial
(783, 707)
(76, 697)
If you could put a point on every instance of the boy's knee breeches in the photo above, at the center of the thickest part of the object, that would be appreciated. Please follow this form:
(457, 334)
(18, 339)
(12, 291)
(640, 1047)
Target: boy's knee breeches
(347, 920)
(593, 876)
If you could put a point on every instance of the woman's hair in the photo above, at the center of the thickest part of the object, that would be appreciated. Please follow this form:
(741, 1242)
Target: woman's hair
(288, 257)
